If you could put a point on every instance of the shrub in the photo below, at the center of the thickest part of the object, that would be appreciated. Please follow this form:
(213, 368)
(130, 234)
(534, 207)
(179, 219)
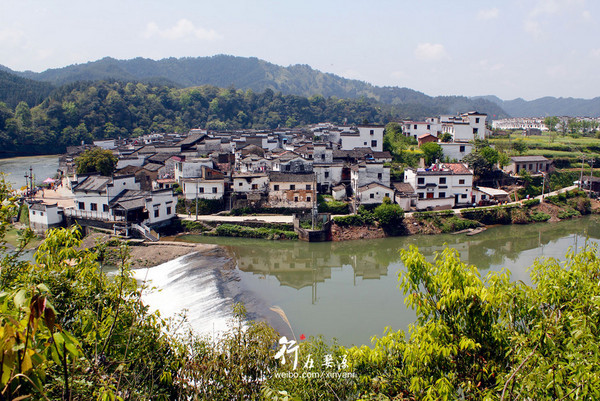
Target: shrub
(233, 230)
(455, 223)
(332, 206)
(539, 216)
(350, 220)
(582, 205)
(531, 202)
(567, 214)
(518, 216)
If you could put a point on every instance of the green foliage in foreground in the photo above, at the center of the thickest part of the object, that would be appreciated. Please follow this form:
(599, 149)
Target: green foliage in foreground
(68, 331)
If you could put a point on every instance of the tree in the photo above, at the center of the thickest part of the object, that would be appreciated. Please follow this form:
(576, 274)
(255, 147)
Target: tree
(519, 146)
(551, 122)
(432, 152)
(96, 160)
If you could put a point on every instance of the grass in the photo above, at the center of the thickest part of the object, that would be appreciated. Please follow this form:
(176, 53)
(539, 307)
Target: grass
(12, 239)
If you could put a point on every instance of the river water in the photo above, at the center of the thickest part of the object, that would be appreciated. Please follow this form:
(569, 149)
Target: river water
(16, 167)
(348, 290)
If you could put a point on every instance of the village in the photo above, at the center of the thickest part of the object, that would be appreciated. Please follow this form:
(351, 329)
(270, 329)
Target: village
(279, 170)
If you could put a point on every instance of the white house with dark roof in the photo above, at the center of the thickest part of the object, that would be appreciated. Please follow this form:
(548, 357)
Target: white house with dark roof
(292, 190)
(43, 217)
(530, 164)
(370, 136)
(444, 185)
(374, 193)
(119, 199)
(366, 173)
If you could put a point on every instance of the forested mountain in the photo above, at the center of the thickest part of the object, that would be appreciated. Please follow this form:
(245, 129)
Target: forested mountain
(14, 89)
(97, 110)
(251, 73)
(548, 106)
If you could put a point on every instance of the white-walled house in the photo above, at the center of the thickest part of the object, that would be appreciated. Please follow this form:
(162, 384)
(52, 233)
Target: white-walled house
(292, 190)
(374, 193)
(530, 164)
(43, 217)
(443, 186)
(120, 199)
(201, 188)
(370, 136)
(328, 175)
(191, 168)
(366, 173)
(415, 129)
(250, 182)
(456, 150)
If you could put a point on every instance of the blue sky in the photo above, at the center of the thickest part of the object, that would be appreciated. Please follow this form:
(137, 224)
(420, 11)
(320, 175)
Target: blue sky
(524, 48)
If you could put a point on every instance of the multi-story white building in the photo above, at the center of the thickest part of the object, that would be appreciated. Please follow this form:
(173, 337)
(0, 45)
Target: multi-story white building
(369, 136)
(415, 129)
(444, 185)
(366, 173)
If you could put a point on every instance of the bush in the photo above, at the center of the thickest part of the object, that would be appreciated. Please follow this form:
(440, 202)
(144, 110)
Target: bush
(531, 202)
(582, 205)
(351, 220)
(233, 230)
(455, 223)
(519, 216)
(539, 216)
(490, 215)
(568, 213)
(332, 206)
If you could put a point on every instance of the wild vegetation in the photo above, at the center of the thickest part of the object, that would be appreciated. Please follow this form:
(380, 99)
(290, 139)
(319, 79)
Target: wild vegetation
(69, 331)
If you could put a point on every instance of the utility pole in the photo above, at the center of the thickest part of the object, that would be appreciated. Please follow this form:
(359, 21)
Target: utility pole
(31, 181)
(197, 194)
(315, 209)
(581, 176)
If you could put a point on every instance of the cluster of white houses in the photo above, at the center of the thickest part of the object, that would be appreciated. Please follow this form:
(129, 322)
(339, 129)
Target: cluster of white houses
(277, 169)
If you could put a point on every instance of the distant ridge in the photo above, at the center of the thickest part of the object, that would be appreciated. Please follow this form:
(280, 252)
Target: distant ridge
(255, 74)
(548, 106)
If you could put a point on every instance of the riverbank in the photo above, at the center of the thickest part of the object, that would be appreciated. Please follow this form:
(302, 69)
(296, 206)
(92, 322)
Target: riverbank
(149, 254)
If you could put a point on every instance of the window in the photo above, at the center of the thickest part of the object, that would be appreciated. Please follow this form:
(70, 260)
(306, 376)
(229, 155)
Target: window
(81, 205)
(308, 187)
(156, 213)
(214, 190)
(442, 194)
(387, 194)
(421, 195)
(201, 189)
(254, 186)
(168, 209)
(373, 144)
(327, 174)
(415, 126)
(372, 196)
(475, 130)
(295, 199)
(477, 120)
(276, 187)
(531, 167)
(105, 208)
(292, 187)
(323, 157)
(461, 182)
(33, 212)
(372, 132)
(42, 214)
(442, 180)
(240, 184)
(463, 196)
(483, 197)
(379, 176)
(287, 167)
(364, 143)
(428, 126)
(421, 180)
(462, 148)
(308, 198)
(93, 207)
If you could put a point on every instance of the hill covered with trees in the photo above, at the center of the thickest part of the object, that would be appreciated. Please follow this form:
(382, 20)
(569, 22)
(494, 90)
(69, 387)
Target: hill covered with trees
(258, 75)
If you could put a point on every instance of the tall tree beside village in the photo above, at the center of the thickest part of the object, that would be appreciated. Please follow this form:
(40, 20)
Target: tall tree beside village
(96, 160)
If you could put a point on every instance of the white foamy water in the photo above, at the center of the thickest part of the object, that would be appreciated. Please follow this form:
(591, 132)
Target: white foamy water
(188, 284)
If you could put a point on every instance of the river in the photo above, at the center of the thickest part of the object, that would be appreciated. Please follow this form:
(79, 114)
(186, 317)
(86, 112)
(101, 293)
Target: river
(16, 167)
(349, 290)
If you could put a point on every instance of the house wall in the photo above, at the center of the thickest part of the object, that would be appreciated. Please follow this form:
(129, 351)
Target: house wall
(42, 220)
(85, 201)
(452, 150)
(435, 204)
(328, 175)
(369, 173)
(300, 197)
(370, 137)
(190, 169)
(121, 183)
(374, 195)
(204, 189)
(162, 201)
(245, 184)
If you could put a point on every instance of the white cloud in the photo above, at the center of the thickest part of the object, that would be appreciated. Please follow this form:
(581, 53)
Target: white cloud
(554, 7)
(488, 14)
(487, 66)
(11, 37)
(533, 28)
(595, 53)
(399, 74)
(586, 15)
(557, 71)
(430, 52)
(184, 28)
